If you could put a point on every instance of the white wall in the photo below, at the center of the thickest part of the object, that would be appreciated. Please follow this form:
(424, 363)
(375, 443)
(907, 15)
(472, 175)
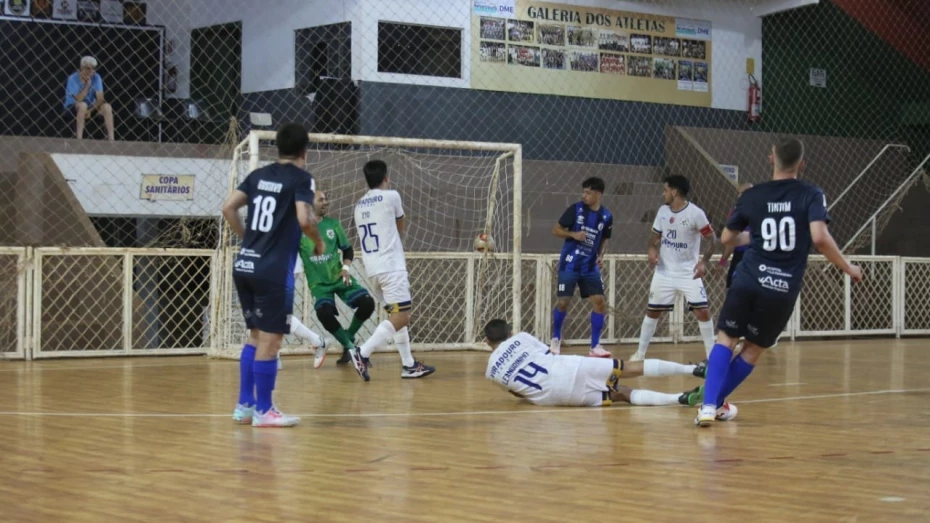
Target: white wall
(268, 35)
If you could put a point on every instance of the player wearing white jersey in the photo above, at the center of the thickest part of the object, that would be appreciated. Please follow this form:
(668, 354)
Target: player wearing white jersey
(379, 220)
(527, 368)
(674, 249)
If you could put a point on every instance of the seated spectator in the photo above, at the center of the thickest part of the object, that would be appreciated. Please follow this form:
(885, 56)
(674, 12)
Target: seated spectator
(84, 97)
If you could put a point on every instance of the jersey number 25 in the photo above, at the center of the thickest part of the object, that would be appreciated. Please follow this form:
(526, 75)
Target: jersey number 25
(370, 241)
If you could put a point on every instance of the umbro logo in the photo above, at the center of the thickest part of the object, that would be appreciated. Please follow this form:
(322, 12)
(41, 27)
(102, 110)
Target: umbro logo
(731, 324)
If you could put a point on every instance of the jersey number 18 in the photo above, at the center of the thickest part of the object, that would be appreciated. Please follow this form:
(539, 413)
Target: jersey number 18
(263, 213)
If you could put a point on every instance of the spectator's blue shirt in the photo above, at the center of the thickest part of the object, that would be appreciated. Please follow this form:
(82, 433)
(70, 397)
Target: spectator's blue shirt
(74, 87)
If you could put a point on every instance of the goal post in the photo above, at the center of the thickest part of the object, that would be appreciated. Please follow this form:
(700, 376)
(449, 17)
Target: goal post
(452, 191)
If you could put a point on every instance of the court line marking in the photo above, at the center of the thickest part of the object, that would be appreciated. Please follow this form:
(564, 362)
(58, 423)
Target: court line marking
(787, 384)
(447, 414)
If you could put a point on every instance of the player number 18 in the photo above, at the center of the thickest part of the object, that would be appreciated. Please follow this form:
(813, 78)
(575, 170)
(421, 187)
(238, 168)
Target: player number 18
(263, 213)
(778, 235)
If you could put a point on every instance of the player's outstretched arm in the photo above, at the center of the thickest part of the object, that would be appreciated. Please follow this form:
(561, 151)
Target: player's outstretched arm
(307, 219)
(731, 239)
(826, 245)
(236, 201)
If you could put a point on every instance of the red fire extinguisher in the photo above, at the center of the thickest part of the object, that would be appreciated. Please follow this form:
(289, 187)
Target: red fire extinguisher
(755, 100)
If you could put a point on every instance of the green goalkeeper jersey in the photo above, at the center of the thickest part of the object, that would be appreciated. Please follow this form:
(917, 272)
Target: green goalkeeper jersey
(326, 268)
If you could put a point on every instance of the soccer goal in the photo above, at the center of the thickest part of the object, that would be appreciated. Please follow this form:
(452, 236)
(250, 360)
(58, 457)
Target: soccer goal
(452, 192)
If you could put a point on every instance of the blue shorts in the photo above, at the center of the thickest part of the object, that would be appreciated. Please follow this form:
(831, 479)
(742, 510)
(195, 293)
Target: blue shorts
(756, 314)
(265, 305)
(588, 284)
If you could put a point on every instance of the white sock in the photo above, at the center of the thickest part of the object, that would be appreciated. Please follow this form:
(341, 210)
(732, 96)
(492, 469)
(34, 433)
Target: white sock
(301, 331)
(652, 368)
(646, 332)
(651, 398)
(402, 342)
(707, 332)
(378, 340)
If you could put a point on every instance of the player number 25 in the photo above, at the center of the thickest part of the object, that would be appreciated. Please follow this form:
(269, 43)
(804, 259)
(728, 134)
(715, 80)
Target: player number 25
(780, 235)
(369, 236)
(263, 213)
(525, 376)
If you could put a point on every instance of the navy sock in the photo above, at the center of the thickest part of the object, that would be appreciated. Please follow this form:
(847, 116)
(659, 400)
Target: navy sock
(718, 363)
(597, 325)
(739, 370)
(246, 378)
(557, 318)
(265, 373)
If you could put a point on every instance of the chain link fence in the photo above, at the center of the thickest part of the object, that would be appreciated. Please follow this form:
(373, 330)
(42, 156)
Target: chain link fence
(630, 92)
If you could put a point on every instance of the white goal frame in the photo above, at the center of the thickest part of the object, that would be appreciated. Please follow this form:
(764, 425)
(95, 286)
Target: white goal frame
(227, 342)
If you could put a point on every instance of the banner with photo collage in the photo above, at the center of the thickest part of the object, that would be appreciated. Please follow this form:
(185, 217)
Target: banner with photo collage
(533, 47)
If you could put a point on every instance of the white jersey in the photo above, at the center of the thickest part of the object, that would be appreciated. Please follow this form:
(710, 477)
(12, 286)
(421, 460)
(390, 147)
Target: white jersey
(376, 216)
(524, 365)
(680, 248)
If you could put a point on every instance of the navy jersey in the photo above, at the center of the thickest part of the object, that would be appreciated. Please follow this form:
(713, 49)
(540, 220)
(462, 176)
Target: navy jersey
(272, 232)
(778, 214)
(581, 257)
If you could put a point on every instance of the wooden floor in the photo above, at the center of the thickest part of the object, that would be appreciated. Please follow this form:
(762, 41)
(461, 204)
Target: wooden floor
(827, 431)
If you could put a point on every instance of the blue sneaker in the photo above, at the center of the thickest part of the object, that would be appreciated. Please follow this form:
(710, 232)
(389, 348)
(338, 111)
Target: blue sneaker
(360, 363)
(417, 370)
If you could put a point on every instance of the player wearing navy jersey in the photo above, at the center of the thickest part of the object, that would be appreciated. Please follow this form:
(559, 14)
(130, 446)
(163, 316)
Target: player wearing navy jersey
(734, 253)
(674, 250)
(585, 226)
(785, 217)
(279, 199)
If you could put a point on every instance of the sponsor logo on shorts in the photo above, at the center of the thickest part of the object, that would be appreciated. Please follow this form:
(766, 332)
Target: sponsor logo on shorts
(245, 266)
(753, 329)
(774, 271)
(731, 324)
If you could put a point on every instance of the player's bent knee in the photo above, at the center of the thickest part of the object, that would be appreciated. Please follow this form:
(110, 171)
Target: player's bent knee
(399, 319)
(326, 313)
(364, 307)
(561, 303)
(80, 107)
(751, 352)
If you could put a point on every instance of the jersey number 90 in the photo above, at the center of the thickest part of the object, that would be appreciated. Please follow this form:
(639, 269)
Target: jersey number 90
(778, 235)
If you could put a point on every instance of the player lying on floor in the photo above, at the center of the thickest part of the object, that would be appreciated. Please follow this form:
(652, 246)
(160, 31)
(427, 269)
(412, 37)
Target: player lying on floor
(527, 368)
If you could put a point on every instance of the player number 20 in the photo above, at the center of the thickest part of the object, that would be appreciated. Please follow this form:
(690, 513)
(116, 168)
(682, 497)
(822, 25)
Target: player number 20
(263, 213)
(778, 235)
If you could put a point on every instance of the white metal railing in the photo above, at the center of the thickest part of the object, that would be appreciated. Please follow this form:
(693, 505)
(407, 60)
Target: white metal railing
(87, 302)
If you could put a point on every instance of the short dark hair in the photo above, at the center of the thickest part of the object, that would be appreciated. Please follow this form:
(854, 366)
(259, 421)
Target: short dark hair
(375, 173)
(292, 140)
(594, 183)
(496, 331)
(788, 153)
(679, 183)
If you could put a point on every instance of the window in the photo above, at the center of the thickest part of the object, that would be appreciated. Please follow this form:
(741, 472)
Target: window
(419, 49)
(322, 51)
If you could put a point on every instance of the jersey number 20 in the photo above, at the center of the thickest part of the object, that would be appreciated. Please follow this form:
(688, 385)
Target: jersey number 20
(778, 235)
(263, 213)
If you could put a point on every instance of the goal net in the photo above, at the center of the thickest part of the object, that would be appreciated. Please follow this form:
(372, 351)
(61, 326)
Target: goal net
(451, 192)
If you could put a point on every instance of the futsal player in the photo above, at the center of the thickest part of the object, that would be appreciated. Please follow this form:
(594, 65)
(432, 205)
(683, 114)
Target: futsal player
(328, 277)
(785, 216)
(279, 197)
(527, 368)
(379, 219)
(733, 253)
(585, 226)
(675, 251)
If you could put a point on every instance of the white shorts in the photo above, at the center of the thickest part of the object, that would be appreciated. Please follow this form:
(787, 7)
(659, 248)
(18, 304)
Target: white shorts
(664, 288)
(575, 381)
(391, 289)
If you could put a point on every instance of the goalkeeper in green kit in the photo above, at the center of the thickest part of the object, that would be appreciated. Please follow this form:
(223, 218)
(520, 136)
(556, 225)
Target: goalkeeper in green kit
(328, 277)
